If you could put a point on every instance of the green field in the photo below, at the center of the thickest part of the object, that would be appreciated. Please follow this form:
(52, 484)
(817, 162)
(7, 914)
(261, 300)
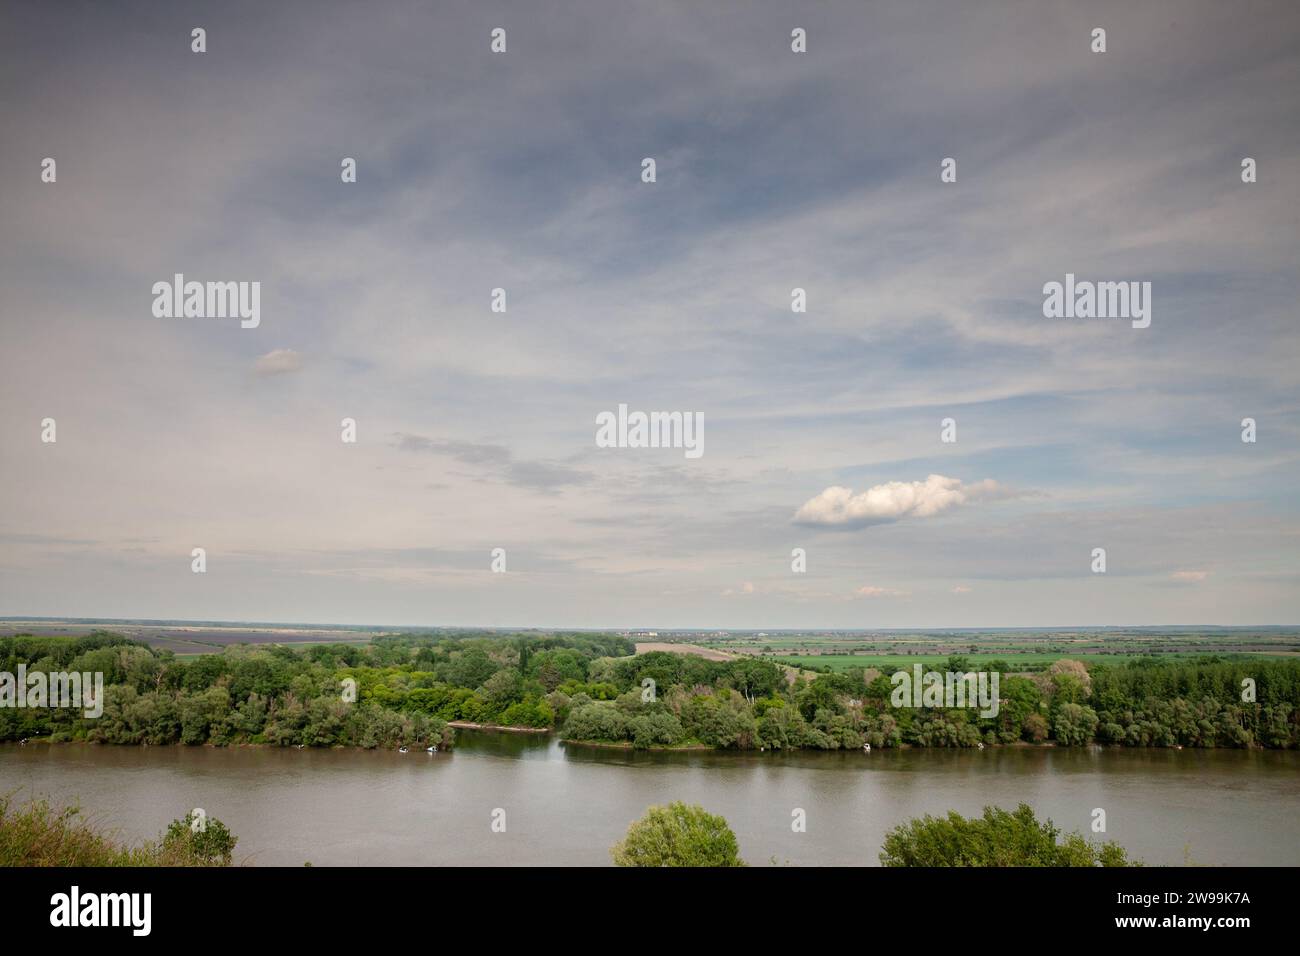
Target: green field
(1013, 660)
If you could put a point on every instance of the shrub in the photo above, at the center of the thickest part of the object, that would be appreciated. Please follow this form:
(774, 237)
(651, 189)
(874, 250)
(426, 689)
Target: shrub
(40, 835)
(998, 838)
(678, 835)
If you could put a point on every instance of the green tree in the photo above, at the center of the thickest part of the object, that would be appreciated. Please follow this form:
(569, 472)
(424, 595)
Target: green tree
(998, 838)
(502, 689)
(1036, 727)
(678, 835)
(470, 668)
(1075, 724)
(209, 844)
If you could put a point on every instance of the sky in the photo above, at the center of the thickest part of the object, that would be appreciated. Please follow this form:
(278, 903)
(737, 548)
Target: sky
(774, 170)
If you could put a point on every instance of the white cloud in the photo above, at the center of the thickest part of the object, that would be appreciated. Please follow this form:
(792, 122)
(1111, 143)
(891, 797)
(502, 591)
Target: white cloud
(278, 362)
(1190, 577)
(873, 592)
(838, 506)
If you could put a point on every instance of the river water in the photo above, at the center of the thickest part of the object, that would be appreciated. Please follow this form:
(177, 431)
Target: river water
(566, 805)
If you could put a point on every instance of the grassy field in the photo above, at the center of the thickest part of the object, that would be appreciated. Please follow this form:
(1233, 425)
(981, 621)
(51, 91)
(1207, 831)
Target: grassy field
(1021, 649)
(1026, 649)
(1013, 660)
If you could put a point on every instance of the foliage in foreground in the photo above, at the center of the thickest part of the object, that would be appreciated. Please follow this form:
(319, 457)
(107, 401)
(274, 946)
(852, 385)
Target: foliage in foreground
(37, 834)
(998, 838)
(678, 835)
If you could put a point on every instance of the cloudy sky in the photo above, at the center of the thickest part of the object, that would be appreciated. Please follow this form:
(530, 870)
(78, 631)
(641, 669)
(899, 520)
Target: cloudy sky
(775, 170)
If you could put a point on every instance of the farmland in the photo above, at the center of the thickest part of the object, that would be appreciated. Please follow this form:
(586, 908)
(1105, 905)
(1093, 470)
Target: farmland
(1011, 649)
(194, 638)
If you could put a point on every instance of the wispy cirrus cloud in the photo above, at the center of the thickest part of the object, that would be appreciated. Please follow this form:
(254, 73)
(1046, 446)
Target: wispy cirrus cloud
(497, 461)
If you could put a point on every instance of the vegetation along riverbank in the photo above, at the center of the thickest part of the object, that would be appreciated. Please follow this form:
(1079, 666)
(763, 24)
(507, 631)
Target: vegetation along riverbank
(413, 690)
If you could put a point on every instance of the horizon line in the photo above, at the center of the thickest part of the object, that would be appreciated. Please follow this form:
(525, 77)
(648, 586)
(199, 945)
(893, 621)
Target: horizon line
(626, 628)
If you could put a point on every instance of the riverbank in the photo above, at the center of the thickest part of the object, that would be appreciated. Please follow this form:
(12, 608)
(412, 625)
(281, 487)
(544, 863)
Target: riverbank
(467, 725)
(622, 744)
(661, 748)
(673, 748)
(209, 745)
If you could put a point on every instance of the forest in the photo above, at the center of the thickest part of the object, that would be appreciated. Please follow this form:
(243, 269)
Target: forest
(410, 689)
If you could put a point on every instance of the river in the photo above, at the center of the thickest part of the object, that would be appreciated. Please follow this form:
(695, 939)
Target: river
(568, 805)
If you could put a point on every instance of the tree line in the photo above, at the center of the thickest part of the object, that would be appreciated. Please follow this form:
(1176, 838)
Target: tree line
(404, 690)
(407, 690)
(663, 699)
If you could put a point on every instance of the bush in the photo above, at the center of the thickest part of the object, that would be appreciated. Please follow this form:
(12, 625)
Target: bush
(998, 838)
(39, 835)
(210, 844)
(678, 835)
